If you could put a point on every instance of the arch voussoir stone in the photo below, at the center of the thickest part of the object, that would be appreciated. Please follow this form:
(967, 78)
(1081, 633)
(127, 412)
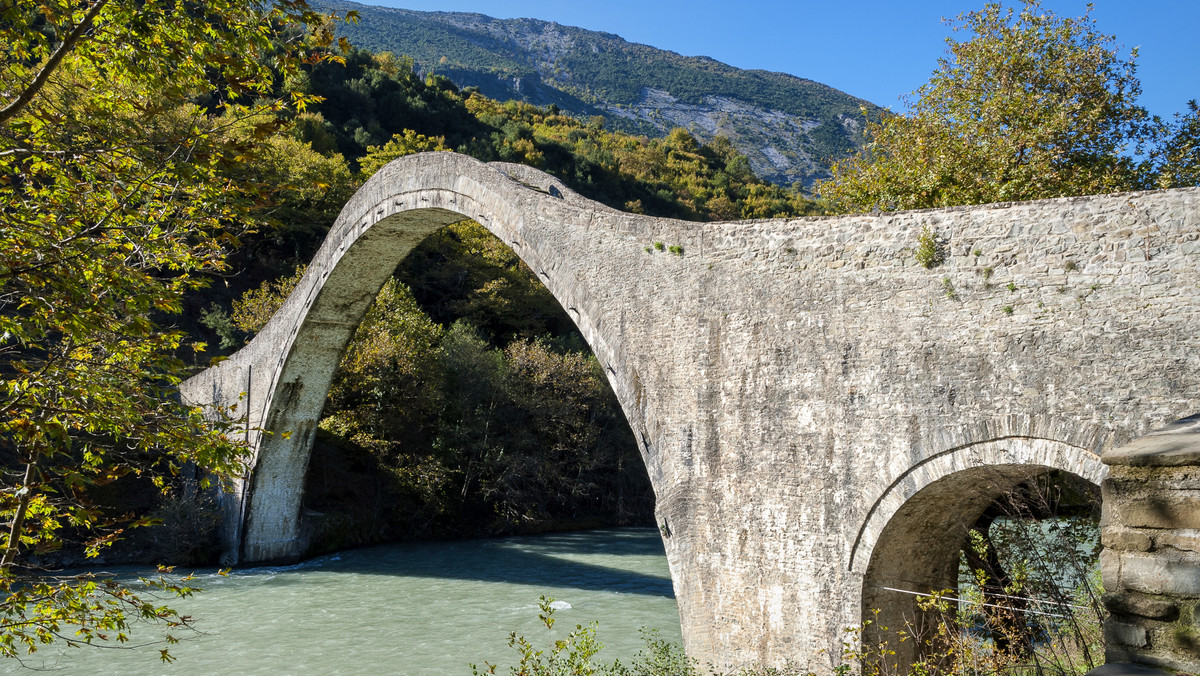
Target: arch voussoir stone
(792, 384)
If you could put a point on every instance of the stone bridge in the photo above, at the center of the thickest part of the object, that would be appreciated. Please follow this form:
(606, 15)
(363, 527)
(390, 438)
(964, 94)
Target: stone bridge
(821, 417)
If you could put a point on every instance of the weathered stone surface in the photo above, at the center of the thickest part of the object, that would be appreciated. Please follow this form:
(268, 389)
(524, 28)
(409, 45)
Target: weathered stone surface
(1125, 669)
(1184, 542)
(1171, 509)
(1185, 640)
(1152, 588)
(818, 417)
(1159, 575)
(1126, 539)
(1173, 445)
(1146, 657)
(1134, 604)
(1129, 635)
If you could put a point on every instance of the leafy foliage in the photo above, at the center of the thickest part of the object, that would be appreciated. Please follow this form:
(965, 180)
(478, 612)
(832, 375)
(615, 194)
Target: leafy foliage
(570, 655)
(118, 132)
(464, 272)
(929, 253)
(576, 655)
(480, 440)
(1031, 105)
(404, 143)
(298, 188)
(386, 392)
(78, 610)
(255, 308)
(370, 97)
(1179, 153)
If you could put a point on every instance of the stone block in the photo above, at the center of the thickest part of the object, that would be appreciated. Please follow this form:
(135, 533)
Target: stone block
(1126, 634)
(1184, 543)
(1125, 669)
(1110, 568)
(1136, 604)
(1174, 445)
(1174, 510)
(1158, 575)
(1125, 539)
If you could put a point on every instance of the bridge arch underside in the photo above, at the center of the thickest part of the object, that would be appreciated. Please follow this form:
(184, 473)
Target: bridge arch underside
(919, 547)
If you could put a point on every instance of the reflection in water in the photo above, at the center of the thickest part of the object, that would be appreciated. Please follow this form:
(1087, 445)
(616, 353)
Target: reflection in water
(422, 609)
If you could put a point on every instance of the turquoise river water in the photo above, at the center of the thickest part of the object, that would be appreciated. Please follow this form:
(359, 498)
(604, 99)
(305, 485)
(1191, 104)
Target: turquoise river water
(424, 609)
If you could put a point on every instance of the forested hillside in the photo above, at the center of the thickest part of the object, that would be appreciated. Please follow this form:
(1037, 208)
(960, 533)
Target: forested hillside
(791, 129)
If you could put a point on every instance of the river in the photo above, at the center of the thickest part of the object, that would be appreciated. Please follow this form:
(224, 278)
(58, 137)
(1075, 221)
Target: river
(423, 609)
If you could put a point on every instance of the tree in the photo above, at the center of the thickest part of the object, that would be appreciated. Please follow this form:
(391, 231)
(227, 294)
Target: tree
(400, 145)
(115, 148)
(1030, 106)
(1179, 153)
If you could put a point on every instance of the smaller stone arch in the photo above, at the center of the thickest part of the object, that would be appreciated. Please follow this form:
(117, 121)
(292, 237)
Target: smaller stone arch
(1013, 449)
(918, 527)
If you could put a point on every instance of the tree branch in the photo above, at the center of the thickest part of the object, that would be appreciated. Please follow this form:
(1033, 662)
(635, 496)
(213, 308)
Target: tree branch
(23, 99)
(18, 522)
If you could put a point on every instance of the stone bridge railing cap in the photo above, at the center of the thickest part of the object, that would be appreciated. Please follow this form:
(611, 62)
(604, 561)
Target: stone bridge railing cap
(1176, 445)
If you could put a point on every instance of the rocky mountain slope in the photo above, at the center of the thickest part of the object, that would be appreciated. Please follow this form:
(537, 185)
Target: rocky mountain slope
(790, 128)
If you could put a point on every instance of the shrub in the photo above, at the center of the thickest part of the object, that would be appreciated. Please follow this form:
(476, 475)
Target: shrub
(929, 251)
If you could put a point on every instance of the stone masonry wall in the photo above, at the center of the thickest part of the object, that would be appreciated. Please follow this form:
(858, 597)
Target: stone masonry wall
(806, 378)
(1151, 557)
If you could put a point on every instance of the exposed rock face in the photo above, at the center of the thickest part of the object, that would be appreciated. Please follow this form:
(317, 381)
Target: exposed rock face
(822, 418)
(790, 128)
(777, 144)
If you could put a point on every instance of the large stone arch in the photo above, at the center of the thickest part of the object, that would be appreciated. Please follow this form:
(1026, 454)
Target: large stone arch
(284, 374)
(792, 384)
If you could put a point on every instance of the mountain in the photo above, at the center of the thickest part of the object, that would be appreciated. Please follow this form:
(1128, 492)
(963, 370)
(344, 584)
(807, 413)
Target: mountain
(791, 129)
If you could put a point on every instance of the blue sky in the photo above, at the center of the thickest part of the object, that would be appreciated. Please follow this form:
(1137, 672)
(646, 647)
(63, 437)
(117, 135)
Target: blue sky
(877, 50)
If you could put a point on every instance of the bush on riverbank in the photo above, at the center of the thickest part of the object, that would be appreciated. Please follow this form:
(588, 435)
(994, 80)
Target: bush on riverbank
(576, 654)
(524, 439)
